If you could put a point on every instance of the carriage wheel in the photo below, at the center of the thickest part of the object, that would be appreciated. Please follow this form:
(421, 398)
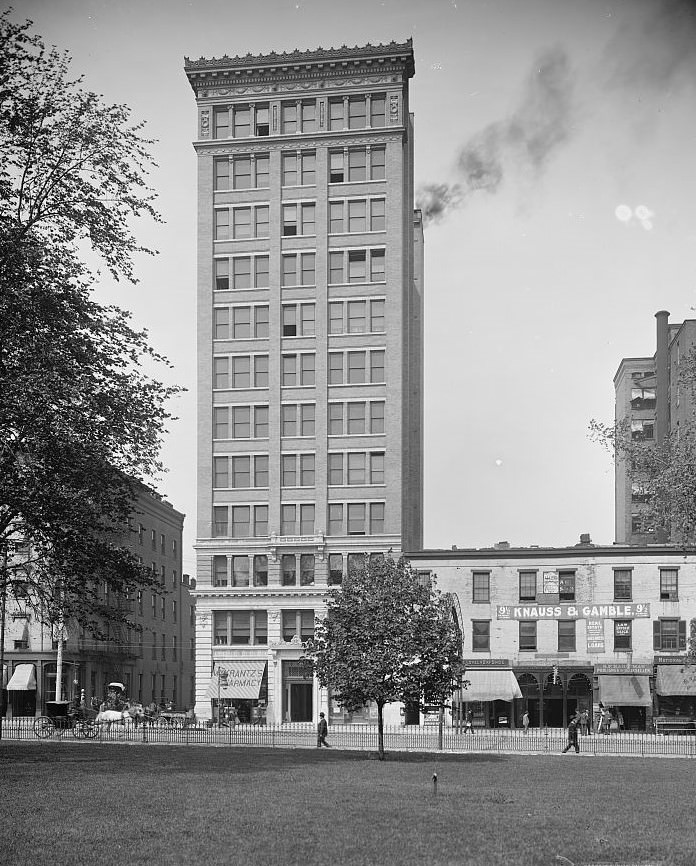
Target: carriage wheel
(44, 727)
(89, 729)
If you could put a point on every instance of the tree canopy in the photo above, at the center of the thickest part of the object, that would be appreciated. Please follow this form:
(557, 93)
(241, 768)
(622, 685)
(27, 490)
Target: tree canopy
(387, 636)
(81, 423)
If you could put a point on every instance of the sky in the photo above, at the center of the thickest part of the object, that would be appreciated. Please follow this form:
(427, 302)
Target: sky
(554, 154)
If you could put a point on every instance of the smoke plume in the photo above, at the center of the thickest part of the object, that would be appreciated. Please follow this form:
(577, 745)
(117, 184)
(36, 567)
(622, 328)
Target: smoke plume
(526, 139)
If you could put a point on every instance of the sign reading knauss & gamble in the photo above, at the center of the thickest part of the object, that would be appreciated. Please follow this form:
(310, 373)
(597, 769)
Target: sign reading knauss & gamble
(629, 610)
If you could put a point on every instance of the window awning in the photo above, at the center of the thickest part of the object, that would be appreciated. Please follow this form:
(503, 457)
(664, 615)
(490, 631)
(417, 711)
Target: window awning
(625, 691)
(239, 679)
(23, 679)
(485, 685)
(675, 680)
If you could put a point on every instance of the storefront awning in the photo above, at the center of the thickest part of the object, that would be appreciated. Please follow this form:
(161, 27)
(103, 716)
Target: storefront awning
(490, 686)
(238, 679)
(675, 680)
(625, 691)
(23, 679)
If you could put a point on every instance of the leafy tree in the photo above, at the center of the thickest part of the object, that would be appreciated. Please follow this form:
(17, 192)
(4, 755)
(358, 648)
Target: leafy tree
(664, 472)
(81, 423)
(386, 637)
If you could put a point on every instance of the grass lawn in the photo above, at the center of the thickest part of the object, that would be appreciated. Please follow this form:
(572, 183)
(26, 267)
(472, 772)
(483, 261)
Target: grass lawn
(84, 803)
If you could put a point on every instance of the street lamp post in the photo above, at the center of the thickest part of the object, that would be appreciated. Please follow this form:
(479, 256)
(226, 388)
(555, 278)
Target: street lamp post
(221, 680)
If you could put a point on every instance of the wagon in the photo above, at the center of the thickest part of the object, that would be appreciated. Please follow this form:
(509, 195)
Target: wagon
(59, 719)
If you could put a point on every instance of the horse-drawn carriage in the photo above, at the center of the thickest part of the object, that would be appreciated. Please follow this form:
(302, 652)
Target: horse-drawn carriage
(61, 716)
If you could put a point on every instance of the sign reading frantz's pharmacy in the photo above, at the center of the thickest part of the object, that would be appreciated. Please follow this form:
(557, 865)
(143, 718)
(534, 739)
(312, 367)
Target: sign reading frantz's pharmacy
(630, 610)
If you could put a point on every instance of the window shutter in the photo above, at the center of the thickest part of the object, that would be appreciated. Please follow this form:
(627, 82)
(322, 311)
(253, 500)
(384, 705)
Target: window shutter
(682, 634)
(657, 643)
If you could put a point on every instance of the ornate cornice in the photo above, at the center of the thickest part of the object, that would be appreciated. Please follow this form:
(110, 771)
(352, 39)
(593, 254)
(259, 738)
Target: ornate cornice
(221, 146)
(399, 56)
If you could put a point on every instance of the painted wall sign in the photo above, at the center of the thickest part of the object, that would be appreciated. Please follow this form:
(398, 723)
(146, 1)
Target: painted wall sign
(629, 610)
(595, 635)
(487, 663)
(670, 660)
(627, 670)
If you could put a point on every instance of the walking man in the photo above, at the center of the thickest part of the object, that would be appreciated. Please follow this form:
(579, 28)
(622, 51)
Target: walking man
(573, 735)
(322, 730)
(525, 721)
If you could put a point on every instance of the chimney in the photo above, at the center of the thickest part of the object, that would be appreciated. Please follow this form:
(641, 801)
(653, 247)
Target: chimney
(662, 375)
(585, 538)
(502, 545)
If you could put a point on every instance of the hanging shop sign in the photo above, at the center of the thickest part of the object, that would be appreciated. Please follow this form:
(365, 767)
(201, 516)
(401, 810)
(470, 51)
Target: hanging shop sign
(595, 635)
(670, 660)
(550, 582)
(634, 670)
(486, 663)
(629, 610)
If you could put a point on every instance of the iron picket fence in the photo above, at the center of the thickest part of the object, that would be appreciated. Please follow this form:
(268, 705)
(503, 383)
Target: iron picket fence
(411, 738)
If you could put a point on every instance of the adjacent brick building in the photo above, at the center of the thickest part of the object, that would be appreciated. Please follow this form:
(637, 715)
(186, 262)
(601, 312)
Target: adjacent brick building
(552, 630)
(310, 366)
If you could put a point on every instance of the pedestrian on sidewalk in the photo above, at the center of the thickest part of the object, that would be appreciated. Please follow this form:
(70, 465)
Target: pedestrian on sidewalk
(322, 731)
(573, 734)
(525, 721)
(469, 724)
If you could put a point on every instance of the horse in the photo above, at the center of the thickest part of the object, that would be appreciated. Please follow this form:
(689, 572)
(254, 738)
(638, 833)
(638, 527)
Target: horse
(110, 717)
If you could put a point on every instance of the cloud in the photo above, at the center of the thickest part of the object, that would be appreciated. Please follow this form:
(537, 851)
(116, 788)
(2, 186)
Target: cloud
(524, 141)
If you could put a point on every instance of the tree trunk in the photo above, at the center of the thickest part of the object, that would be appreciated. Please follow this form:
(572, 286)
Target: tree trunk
(380, 731)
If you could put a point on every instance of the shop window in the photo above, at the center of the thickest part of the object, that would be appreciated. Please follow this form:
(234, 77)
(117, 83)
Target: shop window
(480, 635)
(566, 635)
(528, 635)
(528, 585)
(669, 585)
(481, 587)
(669, 634)
(623, 584)
(566, 585)
(622, 634)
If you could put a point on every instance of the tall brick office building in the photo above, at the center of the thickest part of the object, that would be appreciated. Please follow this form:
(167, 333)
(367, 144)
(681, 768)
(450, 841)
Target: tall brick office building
(310, 367)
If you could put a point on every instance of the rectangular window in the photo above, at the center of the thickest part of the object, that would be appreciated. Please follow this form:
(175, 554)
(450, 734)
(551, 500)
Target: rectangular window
(356, 468)
(288, 117)
(220, 473)
(335, 419)
(288, 520)
(221, 122)
(642, 429)
(261, 124)
(307, 569)
(356, 367)
(377, 467)
(335, 368)
(623, 629)
(566, 585)
(335, 217)
(528, 635)
(219, 571)
(309, 116)
(336, 268)
(336, 168)
(240, 521)
(222, 275)
(288, 569)
(376, 416)
(241, 223)
(261, 222)
(260, 470)
(241, 323)
(240, 571)
(355, 419)
(306, 470)
(481, 587)
(356, 266)
(307, 371)
(376, 518)
(222, 224)
(288, 470)
(357, 164)
(378, 115)
(221, 325)
(377, 272)
(357, 317)
(242, 127)
(377, 215)
(357, 112)
(480, 635)
(260, 422)
(377, 366)
(335, 569)
(241, 427)
(261, 570)
(240, 368)
(357, 216)
(623, 580)
(566, 635)
(241, 272)
(262, 167)
(528, 585)
(241, 472)
(336, 113)
(260, 371)
(335, 469)
(261, 321)
(669, 634)
(307, 519)
(377, 163)
(220, 517)
(260, 521)
(289, 169)
(335, 526)
(221, 170)
(356, 518)
(241, 172)
(669, 586)
(307, 419)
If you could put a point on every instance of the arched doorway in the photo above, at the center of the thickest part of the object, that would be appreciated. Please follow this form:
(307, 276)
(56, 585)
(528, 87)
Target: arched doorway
(579, 695)
(553, 702)
(529, 686)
